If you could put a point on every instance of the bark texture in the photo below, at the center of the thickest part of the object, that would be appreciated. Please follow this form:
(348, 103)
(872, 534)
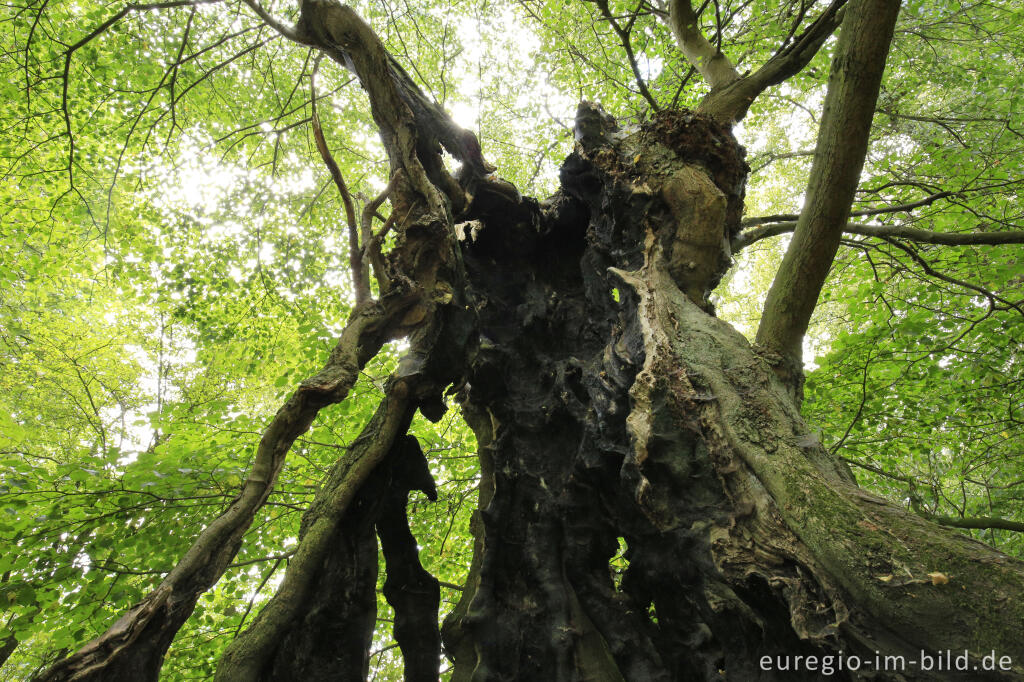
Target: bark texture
(614, 410)
(652, 507)
(331, 638)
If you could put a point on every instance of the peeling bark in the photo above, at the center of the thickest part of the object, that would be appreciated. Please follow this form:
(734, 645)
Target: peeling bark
(640, 418)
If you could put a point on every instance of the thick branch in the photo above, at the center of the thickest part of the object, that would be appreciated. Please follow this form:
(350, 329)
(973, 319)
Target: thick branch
(979, 522)
(342, 34)
(245, 657)
(839, 156)
(729, 102)
(709, 61)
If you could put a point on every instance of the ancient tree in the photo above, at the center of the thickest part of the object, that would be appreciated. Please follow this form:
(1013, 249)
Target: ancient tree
(613, 410)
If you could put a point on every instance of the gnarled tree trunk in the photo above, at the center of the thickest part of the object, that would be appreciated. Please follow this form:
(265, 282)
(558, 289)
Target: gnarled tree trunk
(616, 409)
(615, 413)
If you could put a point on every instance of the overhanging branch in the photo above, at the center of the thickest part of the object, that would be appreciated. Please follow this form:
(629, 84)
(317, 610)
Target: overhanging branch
(287, 31)
(773, 229)
(624, 37)
(898, 208)
(978, 522)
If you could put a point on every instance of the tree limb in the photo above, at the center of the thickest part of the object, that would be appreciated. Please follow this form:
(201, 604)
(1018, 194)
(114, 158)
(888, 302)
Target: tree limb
(709, 61)
(729, 100)
(245, 656)
(745, 239)
(781, 217)
(932, 272)
(627, 45)
(360, 274)
(127, 648)
(854, 82)
(372, 242)
(287, 31)
(978, 522)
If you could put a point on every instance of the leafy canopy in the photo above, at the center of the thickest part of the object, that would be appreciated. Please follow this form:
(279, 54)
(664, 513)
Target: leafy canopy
(173, 263)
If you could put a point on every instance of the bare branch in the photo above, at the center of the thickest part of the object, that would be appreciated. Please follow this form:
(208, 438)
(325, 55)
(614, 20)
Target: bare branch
(932, 272)
(372, 242)
(287, 31)
(898, 208)
(768, 159)
(85, 40)
(624, 37)
(360, 277)
(745, 239)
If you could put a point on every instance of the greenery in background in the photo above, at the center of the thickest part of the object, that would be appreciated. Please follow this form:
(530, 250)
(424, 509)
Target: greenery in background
(170, 276)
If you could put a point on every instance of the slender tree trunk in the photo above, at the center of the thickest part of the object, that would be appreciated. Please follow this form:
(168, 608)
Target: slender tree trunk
(854, 82)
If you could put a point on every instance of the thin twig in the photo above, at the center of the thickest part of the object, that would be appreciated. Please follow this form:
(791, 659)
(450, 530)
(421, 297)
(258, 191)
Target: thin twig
(360, 278)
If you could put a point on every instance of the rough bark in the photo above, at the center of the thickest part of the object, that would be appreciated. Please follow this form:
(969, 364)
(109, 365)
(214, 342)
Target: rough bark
(413, 593)
(330, 638)
(612, 409)
(640, 418)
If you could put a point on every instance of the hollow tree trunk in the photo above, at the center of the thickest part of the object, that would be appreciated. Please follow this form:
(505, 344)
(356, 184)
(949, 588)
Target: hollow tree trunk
(613, 408)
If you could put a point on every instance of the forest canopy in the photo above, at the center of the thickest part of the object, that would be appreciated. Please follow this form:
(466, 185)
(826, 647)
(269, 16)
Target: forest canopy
(182, 183)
